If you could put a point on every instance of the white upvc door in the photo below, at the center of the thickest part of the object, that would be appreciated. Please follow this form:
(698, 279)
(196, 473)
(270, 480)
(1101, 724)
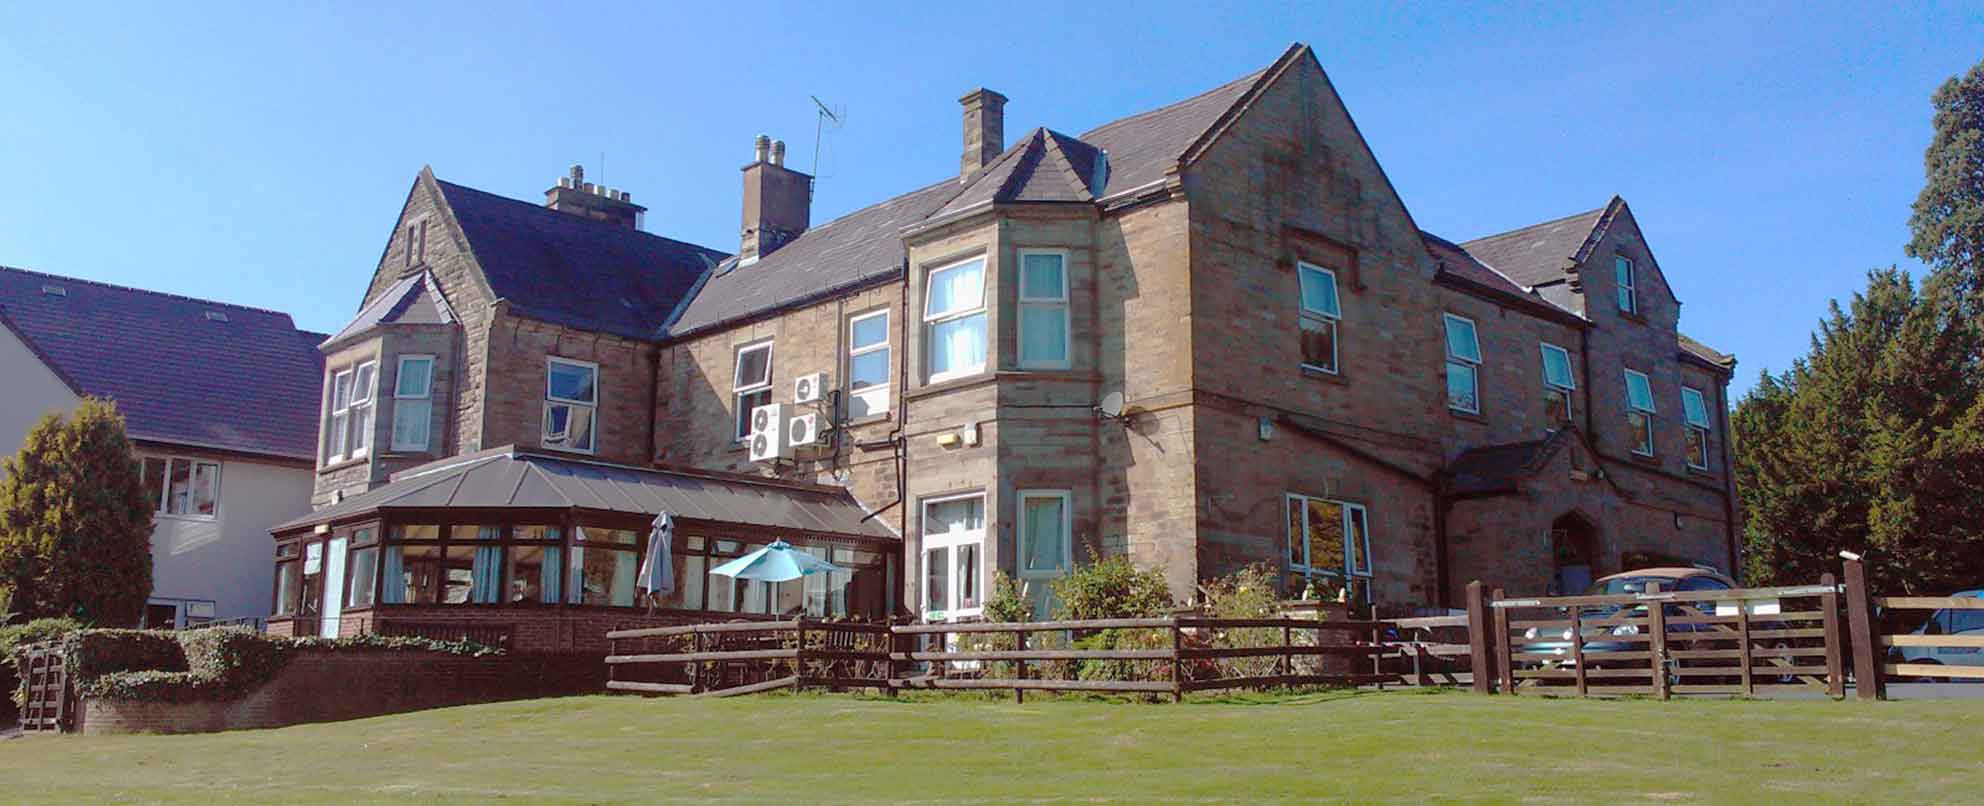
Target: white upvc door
(333, 587)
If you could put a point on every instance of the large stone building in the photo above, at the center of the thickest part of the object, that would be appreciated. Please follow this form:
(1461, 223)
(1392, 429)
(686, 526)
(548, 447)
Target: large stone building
(1203, 336)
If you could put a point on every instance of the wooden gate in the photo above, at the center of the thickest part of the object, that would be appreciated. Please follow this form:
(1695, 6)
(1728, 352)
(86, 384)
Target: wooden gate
(47, 679)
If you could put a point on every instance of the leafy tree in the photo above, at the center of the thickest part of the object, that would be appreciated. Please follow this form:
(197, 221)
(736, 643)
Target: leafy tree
(1948, 223)
(75, 523)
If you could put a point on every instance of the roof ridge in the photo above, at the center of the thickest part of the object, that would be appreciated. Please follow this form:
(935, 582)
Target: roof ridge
(604, 226)
(151, 292)
(1559, 220)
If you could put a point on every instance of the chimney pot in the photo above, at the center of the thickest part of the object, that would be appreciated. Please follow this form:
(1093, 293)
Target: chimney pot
(761, 146)
(574, 195)
(778, 152)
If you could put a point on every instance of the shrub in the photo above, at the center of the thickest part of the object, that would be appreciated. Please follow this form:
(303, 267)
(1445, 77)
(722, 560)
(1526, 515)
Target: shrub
(1115, 588)
(75, 523)
(1250, 592)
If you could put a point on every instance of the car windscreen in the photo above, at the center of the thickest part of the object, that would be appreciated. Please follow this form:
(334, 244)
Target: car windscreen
(1620, 586)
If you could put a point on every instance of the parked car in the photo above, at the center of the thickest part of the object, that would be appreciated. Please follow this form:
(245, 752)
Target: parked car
(1627, 583)
(1948, 622)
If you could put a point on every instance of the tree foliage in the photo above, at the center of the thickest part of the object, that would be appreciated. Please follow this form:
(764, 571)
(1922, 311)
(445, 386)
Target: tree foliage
(75, 522)
(1948, 221)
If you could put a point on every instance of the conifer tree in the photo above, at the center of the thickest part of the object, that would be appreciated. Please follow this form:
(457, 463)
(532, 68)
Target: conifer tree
(75, 522)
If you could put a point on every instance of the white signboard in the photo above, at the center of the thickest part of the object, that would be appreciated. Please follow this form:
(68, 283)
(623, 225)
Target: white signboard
(1758, 607)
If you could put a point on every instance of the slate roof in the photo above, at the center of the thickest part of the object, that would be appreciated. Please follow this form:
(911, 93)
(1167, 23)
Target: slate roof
(856, 248)
(248, 383)
(1045, 166)
(414, 300)
(1537, 254)
(508, 478)
(1497, 468)
(569, 270)
(1706, 353)
(1143, 146)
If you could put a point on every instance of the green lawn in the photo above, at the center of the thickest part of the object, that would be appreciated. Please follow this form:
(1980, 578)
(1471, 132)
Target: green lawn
(1405, 747)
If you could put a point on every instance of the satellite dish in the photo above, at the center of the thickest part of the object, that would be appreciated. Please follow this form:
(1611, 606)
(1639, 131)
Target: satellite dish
(1111, 406)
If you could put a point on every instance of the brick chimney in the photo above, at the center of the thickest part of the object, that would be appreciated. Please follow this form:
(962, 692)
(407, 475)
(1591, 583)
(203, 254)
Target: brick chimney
(984, 130)
(573, 194)
(778, 201)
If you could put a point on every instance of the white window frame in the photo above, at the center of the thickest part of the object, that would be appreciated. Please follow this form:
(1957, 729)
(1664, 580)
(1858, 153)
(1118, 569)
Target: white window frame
(950, 541)
(161, 487)
(1569, 387)
(1060, 301)
(1699, 429)
(356, 440)
(545, 435)
(931, 321)
(1067, 499)
(881, 390)
(421, 403)
(741, 414)
(1305, 568)
(1629, 290)
(337, 425)
(1648, 411)
(1333, 320)
(1472, 365)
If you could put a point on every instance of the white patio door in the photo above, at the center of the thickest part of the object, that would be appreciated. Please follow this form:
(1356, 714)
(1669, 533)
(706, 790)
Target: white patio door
(333, 587)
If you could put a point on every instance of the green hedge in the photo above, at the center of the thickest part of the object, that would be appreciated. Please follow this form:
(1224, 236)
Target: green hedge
(209, 664)
(38, 631)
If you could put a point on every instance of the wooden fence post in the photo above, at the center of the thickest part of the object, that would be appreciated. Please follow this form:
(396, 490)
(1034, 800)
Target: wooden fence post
(1743, 646)
(1835, 639)
(1019, 666)
(1177, 666)
(1477, 638)
(1504, 651)
(1577, 649)
(1656, 629)
(1860, 620)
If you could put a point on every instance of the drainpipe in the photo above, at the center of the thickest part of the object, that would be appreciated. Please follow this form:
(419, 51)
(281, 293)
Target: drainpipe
(1728, 477)
(654, 379)
(1441, 573)
(1591, 395)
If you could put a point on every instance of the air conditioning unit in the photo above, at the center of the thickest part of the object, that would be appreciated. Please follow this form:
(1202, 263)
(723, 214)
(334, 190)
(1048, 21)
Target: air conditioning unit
(804, 431)
(809, 388)
(767, 437)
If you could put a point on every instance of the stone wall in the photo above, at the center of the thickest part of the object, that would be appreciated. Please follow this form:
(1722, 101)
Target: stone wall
(324, 685)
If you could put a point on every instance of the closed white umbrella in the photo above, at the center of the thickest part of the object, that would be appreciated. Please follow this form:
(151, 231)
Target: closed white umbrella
(658, 567)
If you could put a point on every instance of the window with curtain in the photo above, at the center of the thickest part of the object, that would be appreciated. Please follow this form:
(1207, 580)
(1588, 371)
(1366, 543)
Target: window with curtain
(605, 564)
(1320, 312)
(413, 393)
(1639, 413)
(571, 399)
(750, 383)
(1043, 306)
(536, 568)
(1463, 365)
(355, 413)
(364, 571)
(1557, 385)
(954, 320)
(868, 364)
(1695, 410)
(1627, 283)
(1327, 539)
(953, 544)
(1046, 520)
(181, 486)
(288, 579)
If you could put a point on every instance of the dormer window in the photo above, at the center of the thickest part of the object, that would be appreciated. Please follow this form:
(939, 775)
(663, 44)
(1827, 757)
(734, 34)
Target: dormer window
(1627, 282)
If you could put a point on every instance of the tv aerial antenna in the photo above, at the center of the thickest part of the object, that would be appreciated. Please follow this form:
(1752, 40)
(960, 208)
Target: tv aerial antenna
(827, 115)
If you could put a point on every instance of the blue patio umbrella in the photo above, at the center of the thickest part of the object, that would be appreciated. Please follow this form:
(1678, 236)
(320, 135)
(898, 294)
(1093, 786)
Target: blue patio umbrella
(778, 562)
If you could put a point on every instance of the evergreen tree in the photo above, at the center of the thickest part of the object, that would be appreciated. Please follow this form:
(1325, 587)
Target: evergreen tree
(75, 522)
(1948, 224)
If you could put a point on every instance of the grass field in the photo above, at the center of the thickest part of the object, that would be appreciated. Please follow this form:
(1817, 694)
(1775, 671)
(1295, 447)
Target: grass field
(1405, 747)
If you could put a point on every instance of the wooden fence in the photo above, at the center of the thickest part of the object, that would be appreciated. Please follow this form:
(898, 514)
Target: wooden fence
(46, 680)
(1170, 656)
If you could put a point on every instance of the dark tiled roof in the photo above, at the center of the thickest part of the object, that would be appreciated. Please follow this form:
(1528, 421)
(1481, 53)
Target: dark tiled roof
(1496, 468)
(1045, 166)
(1458, 262)
(1142, 147)
(415, 300)
(249, 383)
(567, 270)
(1537, 254)
(1705, 352)
(859, 247)
(506, 478)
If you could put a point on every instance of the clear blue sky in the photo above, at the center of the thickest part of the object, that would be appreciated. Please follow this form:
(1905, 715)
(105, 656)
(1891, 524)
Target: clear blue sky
(258, 153)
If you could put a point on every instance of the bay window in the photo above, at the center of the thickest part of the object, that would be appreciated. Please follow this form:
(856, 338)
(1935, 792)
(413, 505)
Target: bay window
(750, 383)
(1695, 410)
(1043, 303)
(954, 320)
(571, 399)
(1327, 540)
(868, 364)
(1320, 313)
(1639, 413)
(1557, 385)
(953, 556)
(413, 392)
(1463, 365)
